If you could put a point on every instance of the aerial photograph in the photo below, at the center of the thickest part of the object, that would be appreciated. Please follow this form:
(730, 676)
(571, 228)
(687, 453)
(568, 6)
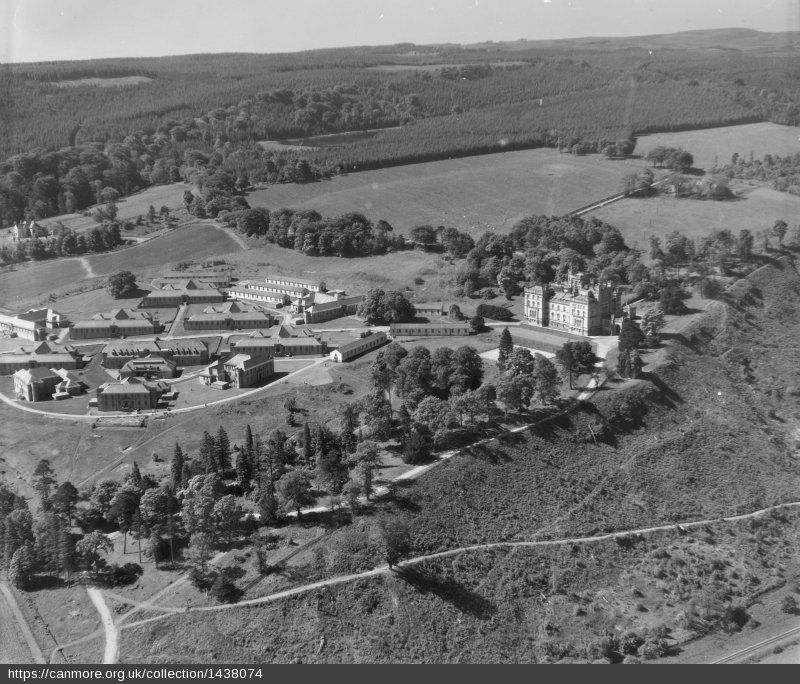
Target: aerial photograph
(399, 332)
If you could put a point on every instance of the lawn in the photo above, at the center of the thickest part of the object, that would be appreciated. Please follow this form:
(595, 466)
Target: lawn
(27, 283)
(638, 219)
(718, 144)
(474, 193)
(356, 276)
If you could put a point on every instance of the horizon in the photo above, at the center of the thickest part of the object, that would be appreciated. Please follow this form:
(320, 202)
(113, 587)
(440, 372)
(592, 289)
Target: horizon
(82, 30)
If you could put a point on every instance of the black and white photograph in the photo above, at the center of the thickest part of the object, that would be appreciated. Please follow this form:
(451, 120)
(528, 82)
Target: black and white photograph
(381, 332)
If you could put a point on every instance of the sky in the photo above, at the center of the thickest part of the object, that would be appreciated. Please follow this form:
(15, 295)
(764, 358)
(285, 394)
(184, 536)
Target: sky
(47, 30)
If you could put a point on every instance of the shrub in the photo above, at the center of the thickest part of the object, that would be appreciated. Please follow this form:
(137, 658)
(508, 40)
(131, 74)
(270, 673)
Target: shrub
(497, 313)
(789, 604)
(122, 575)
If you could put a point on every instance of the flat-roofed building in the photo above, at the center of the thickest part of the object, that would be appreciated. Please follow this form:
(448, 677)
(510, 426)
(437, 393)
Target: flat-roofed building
(33, 325)
(252, 291)
(130, 394)
(115, 323)
(35, 384)
(429, 329)
(229, 316)
(360, 346)
(294, 283)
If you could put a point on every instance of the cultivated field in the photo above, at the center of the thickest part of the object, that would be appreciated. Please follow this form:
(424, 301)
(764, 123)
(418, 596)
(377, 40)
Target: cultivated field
(638, 219)
(474, 193)
(719, 144)
(29, 282)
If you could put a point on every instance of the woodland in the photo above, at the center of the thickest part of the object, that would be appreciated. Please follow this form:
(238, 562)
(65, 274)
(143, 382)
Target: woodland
(201, 117)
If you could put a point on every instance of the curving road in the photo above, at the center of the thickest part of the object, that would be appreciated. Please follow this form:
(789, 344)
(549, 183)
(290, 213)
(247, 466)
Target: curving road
(342, 579)
(112, 635)
(172, 412)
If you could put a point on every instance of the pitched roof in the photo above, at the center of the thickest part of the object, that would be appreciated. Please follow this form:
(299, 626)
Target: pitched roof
(361, 341)
(36, 374)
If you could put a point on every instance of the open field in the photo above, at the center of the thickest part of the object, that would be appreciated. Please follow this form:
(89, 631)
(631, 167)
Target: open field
(116, 82)
(638, 219)
(26, 283)
(129, 207)
(719, 144)
(391, 271)
(474, 194)
(437, 67)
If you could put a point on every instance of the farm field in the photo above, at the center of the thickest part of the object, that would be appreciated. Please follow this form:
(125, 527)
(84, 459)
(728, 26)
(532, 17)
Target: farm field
(473, 194)
(720, 143)
(638, 219)
(29, 282)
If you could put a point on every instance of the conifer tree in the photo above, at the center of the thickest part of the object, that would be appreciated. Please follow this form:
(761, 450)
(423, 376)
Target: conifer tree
(20, 570)
(43, 482)
(176, 469)
(66, 554)
(135, 477)
(505, 350)
(154, 546)
(223, 448)
(208, 453)
(306, 444)
(186, 474)
(244, 474)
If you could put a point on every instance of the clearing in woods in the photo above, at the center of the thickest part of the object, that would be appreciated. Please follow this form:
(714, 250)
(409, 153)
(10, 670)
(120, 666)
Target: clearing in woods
(474, 193)
(638, 219)
(719, 144)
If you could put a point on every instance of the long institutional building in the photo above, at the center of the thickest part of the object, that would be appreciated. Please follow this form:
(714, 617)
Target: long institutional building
(311, 298)
(179, 292)
(115, 323)
(229, 316)
(40, 355)
(34, 325)
(181, 351)
(573, 307)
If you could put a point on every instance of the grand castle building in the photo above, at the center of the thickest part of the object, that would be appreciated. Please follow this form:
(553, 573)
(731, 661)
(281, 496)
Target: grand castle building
(573, 307)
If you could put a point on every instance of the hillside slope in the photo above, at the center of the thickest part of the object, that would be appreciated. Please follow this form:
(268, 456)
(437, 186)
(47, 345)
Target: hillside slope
(711, 435)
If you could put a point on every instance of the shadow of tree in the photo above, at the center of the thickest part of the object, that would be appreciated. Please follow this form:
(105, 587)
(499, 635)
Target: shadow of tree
(454, 593)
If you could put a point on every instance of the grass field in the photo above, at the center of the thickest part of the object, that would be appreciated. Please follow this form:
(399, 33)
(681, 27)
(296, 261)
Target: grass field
(719, 144)
(391, 271)
(638, 219)
(27, 283)
(474, 194)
